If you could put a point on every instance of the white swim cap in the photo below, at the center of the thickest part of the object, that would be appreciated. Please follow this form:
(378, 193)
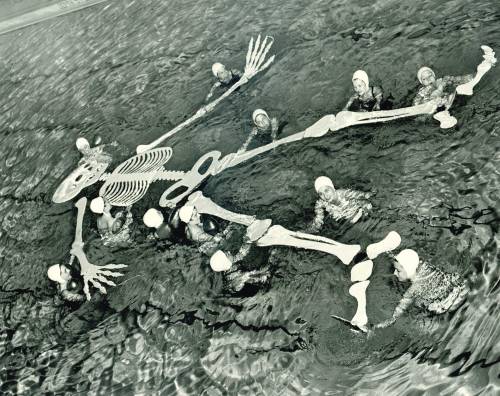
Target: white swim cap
(82, 144)
(257, 113)
(422, 70)
(321, 182)
(408, 259)
(97, 205)
(185, 213)
(219, 261)
(54, 273)
(361, 75)
(217, 68)
(153, 218)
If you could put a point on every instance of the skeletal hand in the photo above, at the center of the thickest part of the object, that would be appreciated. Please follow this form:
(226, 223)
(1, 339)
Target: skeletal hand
(96, 275)
(256, 56)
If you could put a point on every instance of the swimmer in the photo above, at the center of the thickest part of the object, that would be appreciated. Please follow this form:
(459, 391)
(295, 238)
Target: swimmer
(153, 218)
(225, 77)
(95, 154)
(366, 98)
(113, 229)
(69, 284)
(431, 288)
(442, 89)
(195, 231)
(339, 204)
(236, 277)
(262, 125)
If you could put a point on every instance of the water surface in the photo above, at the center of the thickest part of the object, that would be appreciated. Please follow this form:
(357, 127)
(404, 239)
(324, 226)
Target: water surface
(129, 71)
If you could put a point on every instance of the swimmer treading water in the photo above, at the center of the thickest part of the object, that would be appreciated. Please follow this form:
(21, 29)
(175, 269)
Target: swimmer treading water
(129, 182)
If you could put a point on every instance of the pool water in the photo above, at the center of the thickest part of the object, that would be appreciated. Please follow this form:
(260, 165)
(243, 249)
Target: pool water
(128, 71)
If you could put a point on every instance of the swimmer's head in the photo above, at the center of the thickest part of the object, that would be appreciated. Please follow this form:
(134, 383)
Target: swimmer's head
(406, 265)
(153, 218)
(220, 262)
(360, 82)
(99, 205)
(186, 213)
(426, 76)
(59, 273)
(82, 144)
(220, 71)
(324, 187)
(261, 119)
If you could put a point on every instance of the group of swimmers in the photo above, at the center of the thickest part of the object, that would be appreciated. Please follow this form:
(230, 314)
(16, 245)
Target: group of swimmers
(431, 288)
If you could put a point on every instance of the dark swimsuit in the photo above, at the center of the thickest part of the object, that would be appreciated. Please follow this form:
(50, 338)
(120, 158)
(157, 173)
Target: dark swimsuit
(234, 79)
(366, 105)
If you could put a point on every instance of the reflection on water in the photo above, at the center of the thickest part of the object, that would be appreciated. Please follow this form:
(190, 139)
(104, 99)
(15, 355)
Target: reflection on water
(128, 71)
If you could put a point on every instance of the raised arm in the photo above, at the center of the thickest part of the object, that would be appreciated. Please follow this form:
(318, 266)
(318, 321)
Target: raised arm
(419, 97)
(379, 94)
(403, 305)
(457, 80)
(319, 217)
(212, 90)
(250, 137)
(242, 252)
(274, 129)
(349, 102)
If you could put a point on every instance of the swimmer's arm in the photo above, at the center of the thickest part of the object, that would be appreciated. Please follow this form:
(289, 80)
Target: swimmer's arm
(378, 93)
(419, 98)
(243, 148)
(198, 236)
(403, 305)
(457, 80)
(237, 73)
(68, 296)
(319, 217)
(212, 90)
(350, 102)
(242, 253)
(274, 129)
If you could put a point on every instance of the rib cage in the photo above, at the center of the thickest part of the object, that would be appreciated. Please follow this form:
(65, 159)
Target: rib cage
(130, 181)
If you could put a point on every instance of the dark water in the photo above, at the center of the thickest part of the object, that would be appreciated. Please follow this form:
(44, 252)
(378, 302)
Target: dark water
(128, 71)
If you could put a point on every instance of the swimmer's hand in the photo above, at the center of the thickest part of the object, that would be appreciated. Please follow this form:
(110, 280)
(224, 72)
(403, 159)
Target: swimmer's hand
(357, 216)
(370, 330)
(384, 324)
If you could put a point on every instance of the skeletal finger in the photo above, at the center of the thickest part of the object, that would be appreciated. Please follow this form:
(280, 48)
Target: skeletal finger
(255, 51)
(97, 285)
(259, 52)
(263, 56)
(266, 65)
(102, 278)
(110, 273)
(86, 289)
(112, 266)
(249, 52)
